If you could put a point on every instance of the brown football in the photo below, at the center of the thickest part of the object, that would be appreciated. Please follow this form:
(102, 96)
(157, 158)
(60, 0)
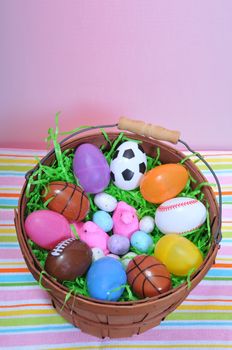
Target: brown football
(68, 260)
(147, 276)
(67, 199)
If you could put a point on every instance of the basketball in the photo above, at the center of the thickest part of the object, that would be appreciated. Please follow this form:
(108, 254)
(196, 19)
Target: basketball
(67, 199)
(147, 276)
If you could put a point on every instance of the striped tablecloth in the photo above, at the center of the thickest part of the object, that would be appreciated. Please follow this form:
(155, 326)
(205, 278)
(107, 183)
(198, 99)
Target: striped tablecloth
(28, 321)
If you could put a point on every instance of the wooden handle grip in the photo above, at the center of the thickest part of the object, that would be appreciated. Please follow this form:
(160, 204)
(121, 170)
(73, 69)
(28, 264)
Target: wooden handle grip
(149, 130)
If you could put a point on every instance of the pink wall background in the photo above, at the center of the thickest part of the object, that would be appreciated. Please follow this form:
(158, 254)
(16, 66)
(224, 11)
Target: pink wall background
(166, 62)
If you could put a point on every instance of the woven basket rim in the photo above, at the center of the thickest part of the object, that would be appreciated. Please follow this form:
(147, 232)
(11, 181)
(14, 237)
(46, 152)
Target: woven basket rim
(27, 251)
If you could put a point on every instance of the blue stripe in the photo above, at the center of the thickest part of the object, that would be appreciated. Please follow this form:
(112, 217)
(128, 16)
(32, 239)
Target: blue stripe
(12, 173)
(9, 245)
(227, 196)
(225, 199)
(219, 273)
(32, 329)
(24, 277)
(70, 326)
(9, 201)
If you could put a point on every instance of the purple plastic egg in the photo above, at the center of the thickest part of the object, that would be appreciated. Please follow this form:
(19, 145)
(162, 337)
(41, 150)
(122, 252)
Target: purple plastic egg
(91, 168)
(118, 244)
(47, 228)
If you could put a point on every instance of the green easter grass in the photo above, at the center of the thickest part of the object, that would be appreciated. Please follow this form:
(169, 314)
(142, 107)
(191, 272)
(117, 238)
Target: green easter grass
(61, 170)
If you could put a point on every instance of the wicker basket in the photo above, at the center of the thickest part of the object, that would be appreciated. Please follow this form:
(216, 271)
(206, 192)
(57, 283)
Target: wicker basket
(119, 319)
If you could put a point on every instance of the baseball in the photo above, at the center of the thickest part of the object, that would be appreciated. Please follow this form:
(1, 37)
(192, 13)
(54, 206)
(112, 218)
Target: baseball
(180, 215)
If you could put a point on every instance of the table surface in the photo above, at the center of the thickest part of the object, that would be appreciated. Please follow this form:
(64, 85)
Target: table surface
(28, 320)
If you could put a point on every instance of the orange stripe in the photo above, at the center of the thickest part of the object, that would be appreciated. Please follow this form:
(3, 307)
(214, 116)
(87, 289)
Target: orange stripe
(5, 225)
(18, 305)
(224, 192)
(222, 265)
(16, 195)
(22, 269)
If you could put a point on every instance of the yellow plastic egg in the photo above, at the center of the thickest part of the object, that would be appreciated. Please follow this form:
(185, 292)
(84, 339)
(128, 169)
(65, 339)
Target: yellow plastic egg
(178, 253)
(163, 182)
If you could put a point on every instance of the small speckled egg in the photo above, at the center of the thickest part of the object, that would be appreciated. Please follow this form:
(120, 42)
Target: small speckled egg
(113, 256)
(97, 254)
(141, 241)
(106, 279)
(103, 220)
(125, 259)
(147, 224)
(118, 244)
(105, 201)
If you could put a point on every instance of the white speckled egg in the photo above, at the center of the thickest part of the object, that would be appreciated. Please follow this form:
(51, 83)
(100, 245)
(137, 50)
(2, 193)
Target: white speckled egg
(97, 254)
(147, 224)
(105, 201)
(125, 259)
(113, 256)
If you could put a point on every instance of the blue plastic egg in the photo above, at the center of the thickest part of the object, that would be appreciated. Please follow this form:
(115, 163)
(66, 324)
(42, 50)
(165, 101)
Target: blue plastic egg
(141, 241)
(106, 279)
(103, 220)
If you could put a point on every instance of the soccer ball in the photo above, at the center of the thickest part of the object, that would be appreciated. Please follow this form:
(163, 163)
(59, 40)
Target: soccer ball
(128, 165)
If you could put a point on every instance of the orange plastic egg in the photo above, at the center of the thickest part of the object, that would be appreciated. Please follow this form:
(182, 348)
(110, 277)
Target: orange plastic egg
(163, 182)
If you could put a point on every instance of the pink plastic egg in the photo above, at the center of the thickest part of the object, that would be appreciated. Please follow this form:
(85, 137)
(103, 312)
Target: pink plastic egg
(47, 228)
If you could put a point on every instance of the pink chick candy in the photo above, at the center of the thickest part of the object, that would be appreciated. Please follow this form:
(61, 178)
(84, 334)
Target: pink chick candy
(93, 235)
(125, 220)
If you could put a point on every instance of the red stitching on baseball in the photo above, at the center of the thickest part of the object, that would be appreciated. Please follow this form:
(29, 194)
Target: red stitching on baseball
(193, 229)
(177, 205)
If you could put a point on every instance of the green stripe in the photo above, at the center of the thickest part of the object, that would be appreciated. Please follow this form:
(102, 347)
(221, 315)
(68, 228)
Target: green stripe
(22, 168)
(9, 238)
(29, 321)
(200, 316)
(227, 234)
(56, 319)
(217, 166)
(16, 284)
(8, 206)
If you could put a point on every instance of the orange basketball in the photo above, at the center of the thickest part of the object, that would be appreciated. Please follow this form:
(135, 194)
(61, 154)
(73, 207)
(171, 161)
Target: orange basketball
(163, 182)
(147, 276)
(67, 199)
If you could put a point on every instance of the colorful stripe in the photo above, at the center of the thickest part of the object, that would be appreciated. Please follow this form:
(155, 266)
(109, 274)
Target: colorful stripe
(28, 320)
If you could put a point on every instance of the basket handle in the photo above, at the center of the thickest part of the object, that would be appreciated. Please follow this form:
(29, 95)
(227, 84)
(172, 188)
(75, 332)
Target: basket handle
(218, 233)
(141, 128)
